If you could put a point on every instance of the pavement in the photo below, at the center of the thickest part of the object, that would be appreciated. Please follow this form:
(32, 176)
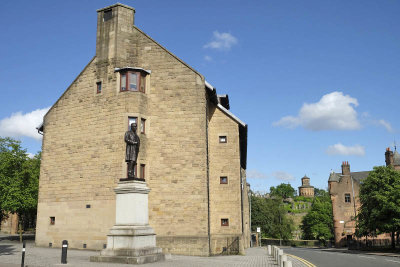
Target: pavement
(10, 256)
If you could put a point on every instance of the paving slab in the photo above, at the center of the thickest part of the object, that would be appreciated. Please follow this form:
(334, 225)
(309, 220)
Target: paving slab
(10, 256)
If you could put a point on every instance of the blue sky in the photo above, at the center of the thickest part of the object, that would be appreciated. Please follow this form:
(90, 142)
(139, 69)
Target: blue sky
(316, 81)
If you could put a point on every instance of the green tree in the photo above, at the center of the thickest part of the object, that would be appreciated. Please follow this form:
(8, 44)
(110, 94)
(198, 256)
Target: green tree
(318, 222)
(271, 216)
(321, 193)
(282, 190)
(19, 181)
(380, 203)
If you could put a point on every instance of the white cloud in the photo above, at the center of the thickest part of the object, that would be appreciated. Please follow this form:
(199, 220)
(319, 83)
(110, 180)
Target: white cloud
(333, 111)
(254, 174)
(340, 149)
(19, 124)
(207, 58)
(281, 175)
(385, 124)
(30, 155)
(221, 41)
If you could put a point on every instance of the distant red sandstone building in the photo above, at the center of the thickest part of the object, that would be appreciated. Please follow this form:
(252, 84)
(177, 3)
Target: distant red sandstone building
(306, 190)
(344, 190)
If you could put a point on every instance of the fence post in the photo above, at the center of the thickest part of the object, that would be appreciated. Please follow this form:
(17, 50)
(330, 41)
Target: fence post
(269, 250)
(280, 253)
(287, 264)
(64, 252)
(23, 255)
(283, 259)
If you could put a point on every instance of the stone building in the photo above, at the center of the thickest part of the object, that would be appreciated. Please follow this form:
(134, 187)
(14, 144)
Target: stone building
(344, 190)
(306, 190)
(9, 224)
(192, 153)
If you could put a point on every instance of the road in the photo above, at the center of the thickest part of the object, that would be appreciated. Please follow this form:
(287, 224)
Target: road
(329, 258)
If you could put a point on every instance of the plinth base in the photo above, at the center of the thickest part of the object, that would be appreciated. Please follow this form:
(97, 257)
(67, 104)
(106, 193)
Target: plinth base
(130, 256)
(131, 240)
(131, 244)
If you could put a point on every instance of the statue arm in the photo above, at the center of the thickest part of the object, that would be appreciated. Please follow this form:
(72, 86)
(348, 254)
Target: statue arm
(129, 140)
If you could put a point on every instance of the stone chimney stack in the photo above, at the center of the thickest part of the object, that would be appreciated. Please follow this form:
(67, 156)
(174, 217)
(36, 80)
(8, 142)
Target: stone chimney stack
(114, 27)
(345, 168)
(389, 157)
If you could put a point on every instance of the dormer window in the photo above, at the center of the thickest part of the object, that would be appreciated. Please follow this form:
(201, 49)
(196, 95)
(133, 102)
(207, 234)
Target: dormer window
(133, 81)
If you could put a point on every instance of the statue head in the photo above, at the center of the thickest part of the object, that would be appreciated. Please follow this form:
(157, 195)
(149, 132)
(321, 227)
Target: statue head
(133, 127)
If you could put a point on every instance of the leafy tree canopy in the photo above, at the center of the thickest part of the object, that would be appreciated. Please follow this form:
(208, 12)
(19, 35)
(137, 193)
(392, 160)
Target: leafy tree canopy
(19, 179)
(283, 191)
(318, 223)
(380, 202)
(271, 216)
(321, 193)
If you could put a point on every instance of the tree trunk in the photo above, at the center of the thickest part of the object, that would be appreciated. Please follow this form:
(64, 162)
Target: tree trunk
(397, 238)
(393, 241)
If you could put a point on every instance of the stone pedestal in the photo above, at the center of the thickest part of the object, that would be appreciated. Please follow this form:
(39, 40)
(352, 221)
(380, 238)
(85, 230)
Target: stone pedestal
(131, 240)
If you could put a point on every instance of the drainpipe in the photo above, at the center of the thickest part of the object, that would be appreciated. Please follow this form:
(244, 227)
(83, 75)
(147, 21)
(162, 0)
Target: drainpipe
(249, 197)
(354, 199)
(208, 183)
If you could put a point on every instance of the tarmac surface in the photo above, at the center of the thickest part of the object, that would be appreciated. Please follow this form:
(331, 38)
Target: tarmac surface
(10, 256)
(342, 257)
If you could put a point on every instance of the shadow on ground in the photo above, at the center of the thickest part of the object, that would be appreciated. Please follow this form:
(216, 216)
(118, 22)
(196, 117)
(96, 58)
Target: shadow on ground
(7, 250)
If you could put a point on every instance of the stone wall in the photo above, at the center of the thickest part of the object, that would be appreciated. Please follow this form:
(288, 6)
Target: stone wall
(83, 146)
(9, 224)
(83, 149)
(225, 198)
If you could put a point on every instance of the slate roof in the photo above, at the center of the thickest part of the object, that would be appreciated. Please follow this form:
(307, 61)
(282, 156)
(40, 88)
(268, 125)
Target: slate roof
(357, 176)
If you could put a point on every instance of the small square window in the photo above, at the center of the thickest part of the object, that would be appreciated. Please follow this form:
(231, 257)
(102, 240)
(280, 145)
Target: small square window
(223, 180)
(142, 171)
(224, 222)
(84, 245)
(143, 126)
(107, 15)
(347, 198)
(52, 220)
(130, 121)
(88, 206)
(223, 139)
(98, 87)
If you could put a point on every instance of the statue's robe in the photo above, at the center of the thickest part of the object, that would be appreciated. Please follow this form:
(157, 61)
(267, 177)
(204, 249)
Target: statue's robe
(132, 146)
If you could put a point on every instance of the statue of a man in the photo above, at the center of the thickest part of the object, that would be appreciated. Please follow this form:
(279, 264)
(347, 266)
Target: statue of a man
(132, 149)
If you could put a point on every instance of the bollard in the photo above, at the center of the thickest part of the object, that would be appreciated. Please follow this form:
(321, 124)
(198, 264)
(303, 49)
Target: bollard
(287, 264)
(280, 253)
(283, 259)
(269, 250)
(23, 255)
(64, 252)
